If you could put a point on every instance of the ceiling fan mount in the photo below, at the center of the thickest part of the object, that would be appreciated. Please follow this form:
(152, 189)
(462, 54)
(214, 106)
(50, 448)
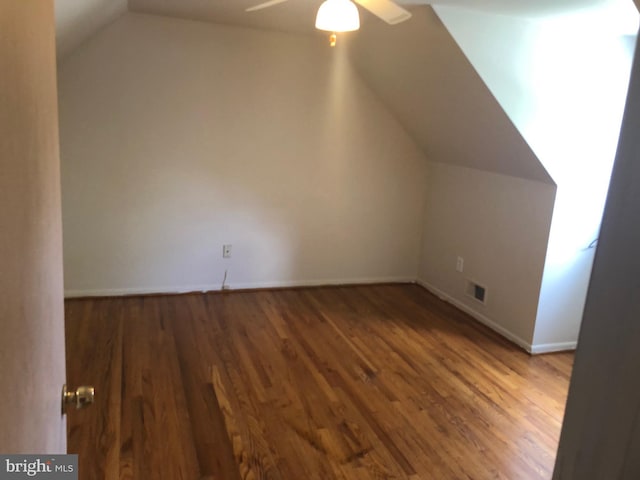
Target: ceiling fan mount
(342, 15)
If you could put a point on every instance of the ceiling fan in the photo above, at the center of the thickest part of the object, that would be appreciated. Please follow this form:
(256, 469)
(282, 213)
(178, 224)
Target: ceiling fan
(342, 15)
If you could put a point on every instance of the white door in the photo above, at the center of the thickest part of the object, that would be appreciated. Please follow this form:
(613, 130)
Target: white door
(32, 356)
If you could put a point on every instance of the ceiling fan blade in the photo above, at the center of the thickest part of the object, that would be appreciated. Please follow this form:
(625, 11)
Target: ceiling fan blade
(270, 3)
(387, 10)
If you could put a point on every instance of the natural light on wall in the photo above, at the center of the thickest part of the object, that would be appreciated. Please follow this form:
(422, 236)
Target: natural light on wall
(562, 80)
(582, 65)
(580, 72)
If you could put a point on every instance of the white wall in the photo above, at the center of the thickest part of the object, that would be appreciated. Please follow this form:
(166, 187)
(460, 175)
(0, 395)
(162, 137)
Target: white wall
(489, 199)
(178, 137)
(499, 225)
(562, 81)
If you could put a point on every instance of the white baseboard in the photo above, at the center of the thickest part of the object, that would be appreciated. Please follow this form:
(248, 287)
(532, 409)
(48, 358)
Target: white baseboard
(553, 347)
(477, 315)
(119, 292)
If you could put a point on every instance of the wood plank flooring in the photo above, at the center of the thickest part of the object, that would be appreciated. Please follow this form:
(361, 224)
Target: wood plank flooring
(371, 382)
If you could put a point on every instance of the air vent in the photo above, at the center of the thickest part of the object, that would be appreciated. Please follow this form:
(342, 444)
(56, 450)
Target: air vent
(477, 291)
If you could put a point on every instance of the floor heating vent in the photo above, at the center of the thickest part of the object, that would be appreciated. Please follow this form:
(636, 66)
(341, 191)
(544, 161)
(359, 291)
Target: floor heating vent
(477, 291)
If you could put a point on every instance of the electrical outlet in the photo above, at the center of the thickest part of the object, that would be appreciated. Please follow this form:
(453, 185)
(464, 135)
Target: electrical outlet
(460, 265)
(226, 251)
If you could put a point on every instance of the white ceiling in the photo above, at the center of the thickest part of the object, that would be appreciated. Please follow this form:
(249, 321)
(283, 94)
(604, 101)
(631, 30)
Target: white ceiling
(299, 15)
(79, 19)
(440, 99)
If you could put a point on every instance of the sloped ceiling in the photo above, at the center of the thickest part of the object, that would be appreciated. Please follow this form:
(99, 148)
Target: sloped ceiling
(416, 67)
(77, 20)
(295, 16)
(298, 16)
(422, 76)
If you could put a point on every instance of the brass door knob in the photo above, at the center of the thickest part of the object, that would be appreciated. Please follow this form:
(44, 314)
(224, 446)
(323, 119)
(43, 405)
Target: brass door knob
(82, 397)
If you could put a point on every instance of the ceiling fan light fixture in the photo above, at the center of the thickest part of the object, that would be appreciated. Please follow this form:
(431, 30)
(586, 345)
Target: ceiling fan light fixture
(338, 16)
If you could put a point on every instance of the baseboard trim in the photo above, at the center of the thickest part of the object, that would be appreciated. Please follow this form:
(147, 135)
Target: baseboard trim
(177, 290)
(553, 347)
(477, 315)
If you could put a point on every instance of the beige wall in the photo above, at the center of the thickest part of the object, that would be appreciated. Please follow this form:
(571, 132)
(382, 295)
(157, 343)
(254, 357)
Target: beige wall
(179, 137)
(32, 366)
(499, 225)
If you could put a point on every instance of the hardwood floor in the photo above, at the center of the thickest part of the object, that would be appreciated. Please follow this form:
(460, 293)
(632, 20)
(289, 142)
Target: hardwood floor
(368, 382)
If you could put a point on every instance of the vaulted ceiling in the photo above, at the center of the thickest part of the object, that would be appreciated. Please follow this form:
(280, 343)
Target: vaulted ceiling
(77, 20)
(439, 97)
(299, 15)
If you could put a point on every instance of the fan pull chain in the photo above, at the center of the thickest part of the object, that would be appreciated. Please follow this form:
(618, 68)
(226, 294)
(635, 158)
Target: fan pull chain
(332, 39)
